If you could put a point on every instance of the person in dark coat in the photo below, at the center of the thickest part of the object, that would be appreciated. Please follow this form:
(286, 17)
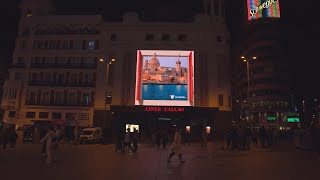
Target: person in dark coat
(315, 136)
(262, 136)
(158, 138)
(13, 136)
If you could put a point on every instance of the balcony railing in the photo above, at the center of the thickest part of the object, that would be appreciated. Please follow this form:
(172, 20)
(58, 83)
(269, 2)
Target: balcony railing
(18, 65)
(65, 66)
(64, 84)
(78, 104)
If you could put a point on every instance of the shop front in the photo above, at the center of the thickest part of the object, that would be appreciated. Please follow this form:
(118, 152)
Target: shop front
(149, 119)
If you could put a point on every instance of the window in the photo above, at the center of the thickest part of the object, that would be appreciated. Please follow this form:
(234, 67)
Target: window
(165, 37)
(30, 114)
(149, 37)
(85, 98)
(182, 37)
(12, 114)
(91, 45)
(216, 8)
(45, 98)
(113, 37)
(20, 60)
(23, 44)
(43, 114)
(72, 98)
(220, 99)
(58, 99)
(219, 38)
(18, 76)
(56, 116)
(229, 101)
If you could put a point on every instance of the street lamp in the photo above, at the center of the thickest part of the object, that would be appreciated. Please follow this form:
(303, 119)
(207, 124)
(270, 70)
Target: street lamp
(247, 61)
(107, 83)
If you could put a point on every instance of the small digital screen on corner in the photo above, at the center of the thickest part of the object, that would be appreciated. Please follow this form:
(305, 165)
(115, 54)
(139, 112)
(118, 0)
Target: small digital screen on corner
(294, 119)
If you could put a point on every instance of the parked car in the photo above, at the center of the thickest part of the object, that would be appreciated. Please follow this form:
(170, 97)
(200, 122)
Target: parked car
(91, 135)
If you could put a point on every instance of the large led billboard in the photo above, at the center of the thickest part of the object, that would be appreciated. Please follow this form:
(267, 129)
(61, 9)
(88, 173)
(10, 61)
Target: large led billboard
(164, 78)
(263, 9)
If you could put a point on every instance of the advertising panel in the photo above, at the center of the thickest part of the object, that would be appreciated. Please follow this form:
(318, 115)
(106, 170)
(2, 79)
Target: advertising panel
(164, 78)
(131, 127)
(263, 9)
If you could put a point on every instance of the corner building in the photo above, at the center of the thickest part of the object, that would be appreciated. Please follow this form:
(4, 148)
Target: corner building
(262, 88)
(79, 70)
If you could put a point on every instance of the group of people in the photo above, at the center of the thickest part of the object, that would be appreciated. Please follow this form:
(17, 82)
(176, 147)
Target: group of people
(128, 142)
(8, 136)
(50, 144)
(158, 137)
(241, 136)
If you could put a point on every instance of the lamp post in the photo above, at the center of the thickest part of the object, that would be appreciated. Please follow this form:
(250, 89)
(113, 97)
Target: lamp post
(247, 61)
(107, 90)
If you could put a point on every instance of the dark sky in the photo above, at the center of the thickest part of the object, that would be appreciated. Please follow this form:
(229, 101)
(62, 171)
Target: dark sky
(299, 18)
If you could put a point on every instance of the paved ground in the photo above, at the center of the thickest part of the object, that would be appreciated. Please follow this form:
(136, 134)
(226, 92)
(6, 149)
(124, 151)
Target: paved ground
(99, 162)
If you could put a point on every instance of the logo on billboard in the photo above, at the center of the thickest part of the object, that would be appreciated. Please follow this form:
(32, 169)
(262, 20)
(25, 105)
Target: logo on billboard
(264, 5)
(172, 96)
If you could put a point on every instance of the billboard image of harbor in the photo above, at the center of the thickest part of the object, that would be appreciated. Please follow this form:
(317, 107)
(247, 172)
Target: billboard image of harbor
(164, 77)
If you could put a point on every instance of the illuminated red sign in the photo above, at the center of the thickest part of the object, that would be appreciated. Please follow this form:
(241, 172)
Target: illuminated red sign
(164, 109)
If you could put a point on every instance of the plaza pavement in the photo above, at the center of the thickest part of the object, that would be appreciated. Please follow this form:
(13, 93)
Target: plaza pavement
(101, 162)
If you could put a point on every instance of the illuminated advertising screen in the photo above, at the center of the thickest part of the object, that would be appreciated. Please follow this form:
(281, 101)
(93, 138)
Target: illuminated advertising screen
(164, 78)
(293, 119)
(131, 127)
(263, 9)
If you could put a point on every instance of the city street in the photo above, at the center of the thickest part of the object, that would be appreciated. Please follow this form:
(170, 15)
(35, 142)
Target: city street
(102, 162)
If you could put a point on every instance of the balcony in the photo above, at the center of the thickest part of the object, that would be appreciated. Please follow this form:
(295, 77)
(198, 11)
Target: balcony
(78, 104)
(62, 84)
(64, 66)
(18, 65)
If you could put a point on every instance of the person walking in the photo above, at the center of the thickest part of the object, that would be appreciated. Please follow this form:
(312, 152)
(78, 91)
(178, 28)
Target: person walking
(262, 136)
(127, 141)
(13, 136)
(315, 137)
(176, 146)
(48, 139)
(135, 137)
(164, 139)
(1, 138)
(158, 138)
(204, 136)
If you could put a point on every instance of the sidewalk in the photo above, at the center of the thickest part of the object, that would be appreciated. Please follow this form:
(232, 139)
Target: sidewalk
(86, 162)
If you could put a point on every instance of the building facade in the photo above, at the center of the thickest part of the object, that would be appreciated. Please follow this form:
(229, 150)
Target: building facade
(261, 82)
(69, 69)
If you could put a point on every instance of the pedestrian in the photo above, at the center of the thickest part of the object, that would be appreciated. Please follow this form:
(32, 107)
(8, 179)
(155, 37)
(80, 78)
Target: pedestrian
(5, 137)
(228, 139)
(248, 137)
(135, 137)
(211, 149)
(48, 139)
(165, 139)
(13, 136)
(1, 132)
(188, 137)
(127, 141)
(58, 136)
(262, 136)
(176, 146)
(158, 138)
(315, 136)
(204, 136)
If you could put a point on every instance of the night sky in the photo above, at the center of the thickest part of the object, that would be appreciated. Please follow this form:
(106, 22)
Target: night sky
(299, 18)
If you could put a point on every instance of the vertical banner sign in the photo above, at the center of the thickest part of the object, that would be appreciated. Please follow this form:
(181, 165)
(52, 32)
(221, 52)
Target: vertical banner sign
(263, 9)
